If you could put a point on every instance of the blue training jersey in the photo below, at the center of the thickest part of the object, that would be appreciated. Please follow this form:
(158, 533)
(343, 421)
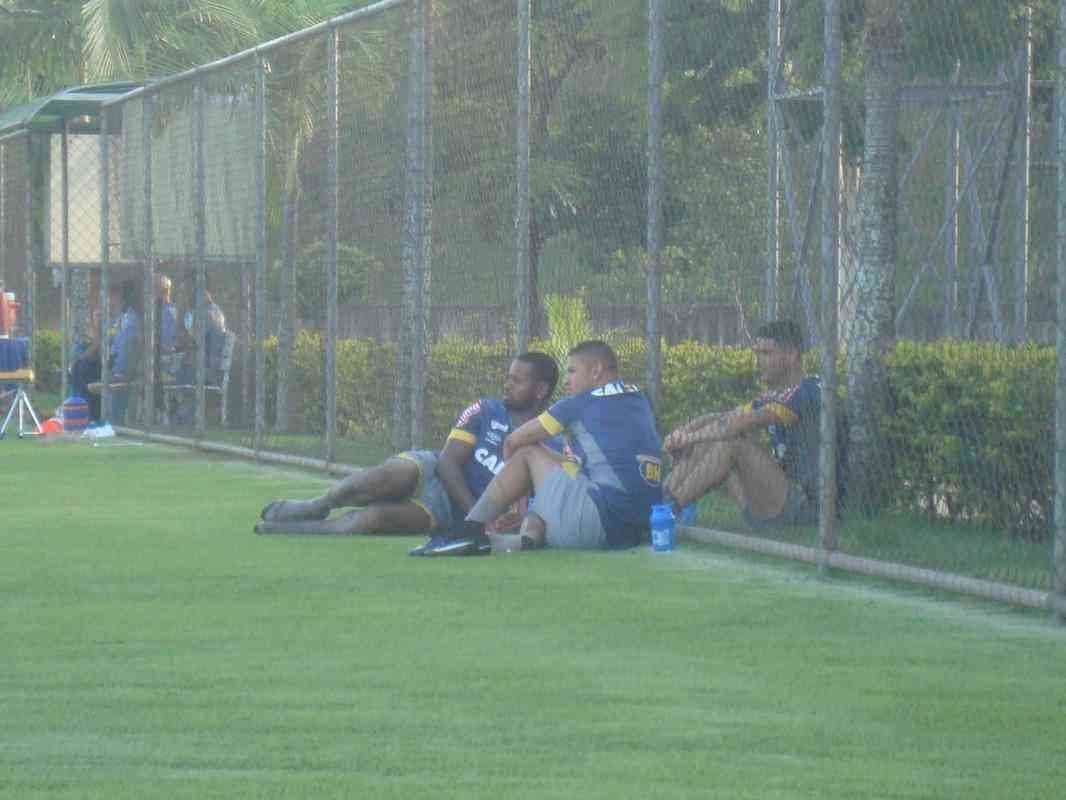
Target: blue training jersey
(483, 424)
(795, 436)
(611, 431)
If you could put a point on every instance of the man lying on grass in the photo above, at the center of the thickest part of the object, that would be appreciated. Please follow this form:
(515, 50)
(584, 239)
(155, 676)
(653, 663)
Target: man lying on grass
(598, 495)
(420, 490)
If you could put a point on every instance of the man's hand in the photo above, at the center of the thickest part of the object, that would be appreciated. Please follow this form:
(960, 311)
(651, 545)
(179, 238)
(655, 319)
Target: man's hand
(507, 449)
(531, 432)
(510, 519)
(677, 440)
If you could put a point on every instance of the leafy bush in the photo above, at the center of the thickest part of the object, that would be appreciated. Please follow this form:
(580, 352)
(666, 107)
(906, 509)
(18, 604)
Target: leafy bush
(46, 360)
(973, 434)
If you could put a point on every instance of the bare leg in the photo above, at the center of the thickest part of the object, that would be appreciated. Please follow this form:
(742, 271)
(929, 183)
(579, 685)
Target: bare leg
(698, 469)
(531, 536)
(392, 480)
(523, 472)
(754, 477)
(377, 518)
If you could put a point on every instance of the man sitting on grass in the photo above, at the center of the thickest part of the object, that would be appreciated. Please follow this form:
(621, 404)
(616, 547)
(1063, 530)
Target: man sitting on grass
(601, 496)
(420, 490)
(772, 487)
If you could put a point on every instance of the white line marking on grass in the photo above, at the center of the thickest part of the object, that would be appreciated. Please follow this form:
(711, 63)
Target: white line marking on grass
(805, 580)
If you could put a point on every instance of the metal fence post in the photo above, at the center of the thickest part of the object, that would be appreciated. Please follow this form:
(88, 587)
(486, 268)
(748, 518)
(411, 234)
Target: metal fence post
(414, 230)
(333, 112)
(260, 252)
(653, 334)
(1058, 564)
(151, 323)
(827, 531)
(951, 236)
(773, 210)
(200, 223)
(522, 212)
(105, 261)
(64, 286)
(28, 299)
(1025, 107)
(420, 362)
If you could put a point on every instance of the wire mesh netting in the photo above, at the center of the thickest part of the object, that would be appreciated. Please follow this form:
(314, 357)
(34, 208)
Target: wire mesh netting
(354, 209)
(14, 180)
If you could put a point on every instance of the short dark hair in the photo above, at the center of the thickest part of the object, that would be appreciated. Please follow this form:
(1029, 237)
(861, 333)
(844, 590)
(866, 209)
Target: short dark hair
(782, 332)
(544, 368)
(597, 351)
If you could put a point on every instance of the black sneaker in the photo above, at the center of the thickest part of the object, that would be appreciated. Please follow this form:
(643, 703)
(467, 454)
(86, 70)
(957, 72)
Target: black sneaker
(431, 543)
(464, 539)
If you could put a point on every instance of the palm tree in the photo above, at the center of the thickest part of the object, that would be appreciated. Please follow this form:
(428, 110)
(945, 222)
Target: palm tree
(42, 48)
(138, 39)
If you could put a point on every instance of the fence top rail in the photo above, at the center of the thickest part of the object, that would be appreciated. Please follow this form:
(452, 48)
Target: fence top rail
(259, 49)
(18, 133)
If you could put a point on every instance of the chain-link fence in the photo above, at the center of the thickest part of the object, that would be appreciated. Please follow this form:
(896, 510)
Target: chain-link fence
(337, 240)
(14, 241)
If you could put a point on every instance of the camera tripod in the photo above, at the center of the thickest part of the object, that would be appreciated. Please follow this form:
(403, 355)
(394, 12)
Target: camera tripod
(20, 403)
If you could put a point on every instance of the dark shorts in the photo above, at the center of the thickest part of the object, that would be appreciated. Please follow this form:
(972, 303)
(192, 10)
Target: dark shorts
(430, 494)
(798, 510)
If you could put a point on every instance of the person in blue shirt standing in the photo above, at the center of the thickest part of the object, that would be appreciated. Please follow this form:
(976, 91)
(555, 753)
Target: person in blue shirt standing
(421, 490)
(773, 487)
(599, 493)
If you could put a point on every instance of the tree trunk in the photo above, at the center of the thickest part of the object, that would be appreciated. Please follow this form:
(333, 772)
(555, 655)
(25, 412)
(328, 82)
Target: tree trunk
(873, 328)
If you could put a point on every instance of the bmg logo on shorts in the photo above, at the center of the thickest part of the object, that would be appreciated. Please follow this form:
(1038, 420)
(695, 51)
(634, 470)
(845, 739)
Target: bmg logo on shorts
(651, 470)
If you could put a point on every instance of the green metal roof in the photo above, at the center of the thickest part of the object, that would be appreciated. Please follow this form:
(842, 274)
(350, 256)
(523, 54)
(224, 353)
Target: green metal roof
(48, 113)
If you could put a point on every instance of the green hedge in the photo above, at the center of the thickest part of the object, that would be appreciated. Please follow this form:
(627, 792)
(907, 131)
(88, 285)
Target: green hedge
(971, 433)
(46, 361)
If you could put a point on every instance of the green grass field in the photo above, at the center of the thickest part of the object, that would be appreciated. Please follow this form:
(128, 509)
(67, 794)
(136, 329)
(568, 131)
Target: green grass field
(154, 647)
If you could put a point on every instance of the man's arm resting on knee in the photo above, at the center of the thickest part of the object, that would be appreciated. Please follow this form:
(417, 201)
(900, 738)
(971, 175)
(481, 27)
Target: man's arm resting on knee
(728, 425)
(530, 433)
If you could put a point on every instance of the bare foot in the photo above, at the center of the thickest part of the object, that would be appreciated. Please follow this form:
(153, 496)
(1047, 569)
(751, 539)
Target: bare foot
(294, 511)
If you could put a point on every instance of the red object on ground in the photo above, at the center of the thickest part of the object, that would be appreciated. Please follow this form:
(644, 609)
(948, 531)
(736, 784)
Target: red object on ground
(51, 426)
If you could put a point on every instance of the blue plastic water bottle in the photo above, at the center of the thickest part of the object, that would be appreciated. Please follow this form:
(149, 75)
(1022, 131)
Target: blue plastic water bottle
(663, 528)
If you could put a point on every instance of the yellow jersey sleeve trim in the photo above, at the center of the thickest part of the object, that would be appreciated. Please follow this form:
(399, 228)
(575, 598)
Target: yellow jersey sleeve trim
(783, 413)
(747, 408)
(462, 436)
(550, 423)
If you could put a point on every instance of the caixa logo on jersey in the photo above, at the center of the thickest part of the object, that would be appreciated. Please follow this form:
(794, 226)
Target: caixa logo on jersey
(489, 461)
(651, 469)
